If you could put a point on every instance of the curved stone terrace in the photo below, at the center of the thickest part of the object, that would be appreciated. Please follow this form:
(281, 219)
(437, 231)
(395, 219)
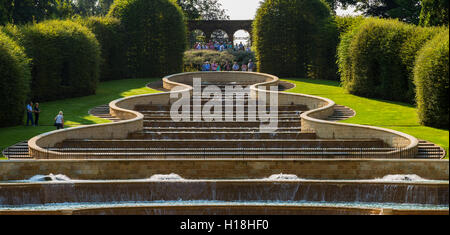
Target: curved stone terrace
(146, 130)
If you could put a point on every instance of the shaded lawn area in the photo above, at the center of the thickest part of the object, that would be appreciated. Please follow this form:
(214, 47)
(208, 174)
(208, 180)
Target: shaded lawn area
(387, 114)
(75, 110)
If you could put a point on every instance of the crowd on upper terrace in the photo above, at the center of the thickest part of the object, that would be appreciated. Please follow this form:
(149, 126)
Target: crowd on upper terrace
(221, 46)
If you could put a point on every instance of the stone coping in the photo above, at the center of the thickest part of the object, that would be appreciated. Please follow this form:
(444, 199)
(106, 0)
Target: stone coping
(240, 181)
(226, 210)
(125, 169)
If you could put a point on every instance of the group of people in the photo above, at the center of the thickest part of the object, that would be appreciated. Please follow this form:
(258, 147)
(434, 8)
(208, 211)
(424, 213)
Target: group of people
(227, 66)
(34, 109)
(221, 46)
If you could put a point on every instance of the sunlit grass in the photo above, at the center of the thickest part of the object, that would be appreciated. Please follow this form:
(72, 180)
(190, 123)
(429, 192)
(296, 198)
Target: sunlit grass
(75, 109)
(387, 114)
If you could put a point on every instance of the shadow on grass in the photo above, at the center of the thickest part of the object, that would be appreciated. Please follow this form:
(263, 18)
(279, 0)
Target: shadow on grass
(315, 81)
(75, 109)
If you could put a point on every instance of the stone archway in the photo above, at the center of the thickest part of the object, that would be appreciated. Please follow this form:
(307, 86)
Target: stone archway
(229, 26)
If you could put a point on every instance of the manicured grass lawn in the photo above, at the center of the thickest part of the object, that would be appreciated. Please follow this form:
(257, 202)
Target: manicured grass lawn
(387, 114)
(393, 115)
(75, 110)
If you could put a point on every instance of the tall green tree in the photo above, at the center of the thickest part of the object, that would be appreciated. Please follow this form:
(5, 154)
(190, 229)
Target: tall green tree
(203, 9)
(104, 6)
(404, 10)
(24, 11)
(434, 12)
(87, 7)
(5, 10)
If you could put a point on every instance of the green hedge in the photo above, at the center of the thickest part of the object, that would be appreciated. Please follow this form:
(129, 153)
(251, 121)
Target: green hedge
(431, 77)
(65, 58)
(376, 58)
(110, 34)
(194, 59)
(155, 36)
(14, 81)
(434, 12)
(242, 57)
(295, 38)
(346, 23)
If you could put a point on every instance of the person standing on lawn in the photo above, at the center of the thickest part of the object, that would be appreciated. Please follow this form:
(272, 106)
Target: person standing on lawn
(30, 113)
(59, 121)
(36, 112)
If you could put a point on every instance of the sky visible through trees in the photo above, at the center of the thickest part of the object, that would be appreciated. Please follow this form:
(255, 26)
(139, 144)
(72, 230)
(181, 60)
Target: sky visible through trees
(246, 9)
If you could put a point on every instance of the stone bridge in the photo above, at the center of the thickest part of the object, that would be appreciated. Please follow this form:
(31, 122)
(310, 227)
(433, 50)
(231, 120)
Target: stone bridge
(228, 26)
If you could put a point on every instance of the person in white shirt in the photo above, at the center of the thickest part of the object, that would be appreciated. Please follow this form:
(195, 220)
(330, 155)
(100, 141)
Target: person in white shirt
(59, 121)
(30, 113)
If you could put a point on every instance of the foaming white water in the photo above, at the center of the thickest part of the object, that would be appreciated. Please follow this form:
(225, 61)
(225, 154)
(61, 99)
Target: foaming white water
(166, 177)
(281, 177)
(409, 178)
(50, 177)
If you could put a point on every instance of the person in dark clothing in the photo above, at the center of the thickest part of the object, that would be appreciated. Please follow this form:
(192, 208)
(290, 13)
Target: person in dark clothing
(30, 113)
(36, 112)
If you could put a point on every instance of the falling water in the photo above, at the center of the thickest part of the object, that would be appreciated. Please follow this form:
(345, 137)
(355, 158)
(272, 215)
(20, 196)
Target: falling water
(170, 177)
(50, 178)
(409, 178)
(282, 177)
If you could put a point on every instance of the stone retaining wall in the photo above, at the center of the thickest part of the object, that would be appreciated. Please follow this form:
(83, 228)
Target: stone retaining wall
(224, 169)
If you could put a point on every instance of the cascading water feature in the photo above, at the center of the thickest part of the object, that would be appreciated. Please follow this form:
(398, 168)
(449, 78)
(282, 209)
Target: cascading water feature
(411, 178)
(49, 178)
(224, 140)
(54, 192)
(282, 177)
(170, 177)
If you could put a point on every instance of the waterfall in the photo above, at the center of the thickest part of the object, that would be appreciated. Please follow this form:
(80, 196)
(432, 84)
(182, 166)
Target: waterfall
(282, 177)
(51, 178)
(171, 177)
(409, 178)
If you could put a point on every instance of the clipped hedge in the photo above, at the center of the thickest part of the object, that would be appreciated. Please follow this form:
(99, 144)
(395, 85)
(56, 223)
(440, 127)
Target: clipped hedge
(295, 39)
(110, 34)
(14, 81)
(194, 59)
(346, 23)
(65, 58)
(155, 36)
(431, 76)
(376, 58)
(242, 57)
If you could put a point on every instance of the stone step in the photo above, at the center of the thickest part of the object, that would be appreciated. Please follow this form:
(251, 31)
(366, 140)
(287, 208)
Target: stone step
(257, 124)
(156, 118)
(210, 129)
(428, 150)
(224, 143)
(222, 155)
(167, 113)
(220, 135)
(426, 156)
(221, 150)
(224, 108)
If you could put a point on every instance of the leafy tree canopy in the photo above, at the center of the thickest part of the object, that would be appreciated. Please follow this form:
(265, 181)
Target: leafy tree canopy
(203, 10)
(404, 10)
(24, 11)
